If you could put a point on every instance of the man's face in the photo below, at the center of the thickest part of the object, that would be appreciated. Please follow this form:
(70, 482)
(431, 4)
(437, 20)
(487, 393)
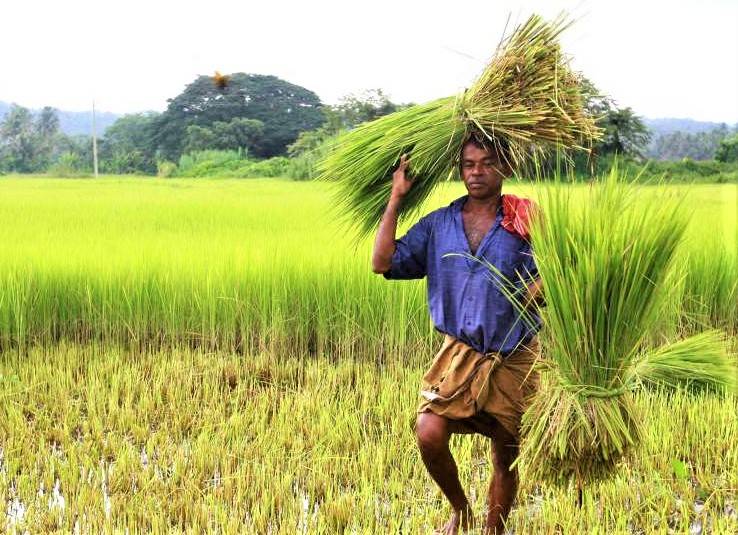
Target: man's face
(482, 172)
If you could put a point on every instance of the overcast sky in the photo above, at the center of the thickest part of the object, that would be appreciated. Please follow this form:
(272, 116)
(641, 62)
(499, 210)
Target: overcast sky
(663, 58)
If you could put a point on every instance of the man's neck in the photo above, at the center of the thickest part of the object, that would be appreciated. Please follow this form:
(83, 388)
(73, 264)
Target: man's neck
(479, 206)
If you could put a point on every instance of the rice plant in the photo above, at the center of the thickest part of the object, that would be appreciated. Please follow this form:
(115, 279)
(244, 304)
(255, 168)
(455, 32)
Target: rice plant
(228, 264)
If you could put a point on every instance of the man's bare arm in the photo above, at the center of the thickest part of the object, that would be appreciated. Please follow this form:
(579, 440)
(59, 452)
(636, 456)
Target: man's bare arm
(384, 243)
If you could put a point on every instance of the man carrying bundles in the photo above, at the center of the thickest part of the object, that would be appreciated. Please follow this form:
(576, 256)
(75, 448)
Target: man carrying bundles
(476, 252)
(482, 377)
(605, 289)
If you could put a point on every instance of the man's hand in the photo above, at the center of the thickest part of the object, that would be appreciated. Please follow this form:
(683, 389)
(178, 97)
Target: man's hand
(384, 243)
(534, 294)
(400, 183)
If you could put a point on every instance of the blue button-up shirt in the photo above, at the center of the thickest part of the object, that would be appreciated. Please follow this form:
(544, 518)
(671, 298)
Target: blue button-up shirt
(465, 298)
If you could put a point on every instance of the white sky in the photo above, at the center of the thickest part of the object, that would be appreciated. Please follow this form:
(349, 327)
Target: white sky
(666, 58)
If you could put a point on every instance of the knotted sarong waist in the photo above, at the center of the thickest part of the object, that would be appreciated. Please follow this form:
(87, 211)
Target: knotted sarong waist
(463, 383)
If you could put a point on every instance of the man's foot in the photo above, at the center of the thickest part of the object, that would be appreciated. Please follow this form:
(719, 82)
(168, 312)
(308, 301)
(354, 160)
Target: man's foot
(460, 522)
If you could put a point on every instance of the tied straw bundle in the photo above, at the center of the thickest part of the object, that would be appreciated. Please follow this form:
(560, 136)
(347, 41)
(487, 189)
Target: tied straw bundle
(606, 261)
(526, 96)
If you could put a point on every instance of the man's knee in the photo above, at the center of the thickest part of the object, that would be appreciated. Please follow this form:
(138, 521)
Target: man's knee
(504, 457)
(431, 432)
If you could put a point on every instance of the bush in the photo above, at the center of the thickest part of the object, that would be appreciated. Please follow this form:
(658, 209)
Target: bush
(127, 163)
(165, 169)
(229, 163)
(309, 149)
(728, 150)
(210, 162)
(68, 164)
(272, 167)
(302, 168)
(685, 170)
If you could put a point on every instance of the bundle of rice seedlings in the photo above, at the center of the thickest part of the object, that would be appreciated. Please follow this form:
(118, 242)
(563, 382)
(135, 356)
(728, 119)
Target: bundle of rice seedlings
(527, 97)
(363, 160)
(605, 261)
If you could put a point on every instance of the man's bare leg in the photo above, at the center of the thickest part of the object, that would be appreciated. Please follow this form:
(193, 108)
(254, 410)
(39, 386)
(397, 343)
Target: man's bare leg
(433, 433)
(504, 484)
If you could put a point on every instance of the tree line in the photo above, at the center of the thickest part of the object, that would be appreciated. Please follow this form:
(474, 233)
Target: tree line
(261, 117)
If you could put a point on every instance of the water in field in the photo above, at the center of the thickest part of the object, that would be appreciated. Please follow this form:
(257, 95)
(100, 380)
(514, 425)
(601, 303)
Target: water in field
(217, 355)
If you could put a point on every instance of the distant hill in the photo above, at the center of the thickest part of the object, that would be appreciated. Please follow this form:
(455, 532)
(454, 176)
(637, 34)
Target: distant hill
(674, 139)
(76, 122)
(668, 126)
(80, 122)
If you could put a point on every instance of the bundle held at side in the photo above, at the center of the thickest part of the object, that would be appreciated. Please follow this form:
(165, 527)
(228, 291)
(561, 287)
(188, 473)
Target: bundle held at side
(606, 261)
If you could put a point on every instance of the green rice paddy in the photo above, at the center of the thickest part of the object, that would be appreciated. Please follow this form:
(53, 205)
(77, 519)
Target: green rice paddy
(216, 355)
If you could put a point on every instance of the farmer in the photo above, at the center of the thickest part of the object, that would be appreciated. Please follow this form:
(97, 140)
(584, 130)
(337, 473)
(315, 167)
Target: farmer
(481, 378)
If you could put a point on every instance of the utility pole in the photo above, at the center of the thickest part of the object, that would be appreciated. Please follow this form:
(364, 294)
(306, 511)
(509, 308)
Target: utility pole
(94, 140)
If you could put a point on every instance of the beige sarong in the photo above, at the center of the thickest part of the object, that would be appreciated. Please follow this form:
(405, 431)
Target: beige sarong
(475, 389)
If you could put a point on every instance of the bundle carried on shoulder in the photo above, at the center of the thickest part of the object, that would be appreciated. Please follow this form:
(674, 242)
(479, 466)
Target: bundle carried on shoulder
(527, 98)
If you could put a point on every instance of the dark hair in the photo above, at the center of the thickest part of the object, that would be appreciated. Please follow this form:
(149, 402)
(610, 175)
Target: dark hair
(497, 146)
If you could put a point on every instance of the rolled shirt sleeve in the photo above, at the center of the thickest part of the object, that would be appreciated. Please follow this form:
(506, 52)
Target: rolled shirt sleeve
(410, 259)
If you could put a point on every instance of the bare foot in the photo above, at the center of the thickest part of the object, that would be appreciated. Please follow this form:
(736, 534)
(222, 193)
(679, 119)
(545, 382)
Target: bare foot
(460, 522)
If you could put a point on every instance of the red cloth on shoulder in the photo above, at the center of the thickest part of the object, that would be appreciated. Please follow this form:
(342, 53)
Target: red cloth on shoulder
(516, 214)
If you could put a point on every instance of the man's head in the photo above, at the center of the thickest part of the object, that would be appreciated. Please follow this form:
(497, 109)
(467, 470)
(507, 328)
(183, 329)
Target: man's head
(483, 166)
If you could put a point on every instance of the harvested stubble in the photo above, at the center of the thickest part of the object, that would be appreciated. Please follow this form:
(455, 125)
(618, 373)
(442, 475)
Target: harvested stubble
(606, 262)
(527, 97)
(183, 441)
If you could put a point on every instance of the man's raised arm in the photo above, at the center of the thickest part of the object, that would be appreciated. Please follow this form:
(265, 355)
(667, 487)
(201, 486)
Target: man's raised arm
(384, 244)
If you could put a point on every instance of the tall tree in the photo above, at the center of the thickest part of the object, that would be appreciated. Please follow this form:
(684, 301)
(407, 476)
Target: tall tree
(354, 109)
(728, 149)
(624, 132)
(236, 134)
(694, 145)
(47, 122)
(46, 128)
(285, 110)
(18, 140)
(77, 151)
(128, 145)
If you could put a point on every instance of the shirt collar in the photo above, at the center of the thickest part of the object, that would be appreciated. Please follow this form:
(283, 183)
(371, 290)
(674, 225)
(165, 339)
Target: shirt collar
(458, 204)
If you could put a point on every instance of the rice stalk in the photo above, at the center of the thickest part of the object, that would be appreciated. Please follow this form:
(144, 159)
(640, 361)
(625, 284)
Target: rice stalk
(710, 285)
(528, 95)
